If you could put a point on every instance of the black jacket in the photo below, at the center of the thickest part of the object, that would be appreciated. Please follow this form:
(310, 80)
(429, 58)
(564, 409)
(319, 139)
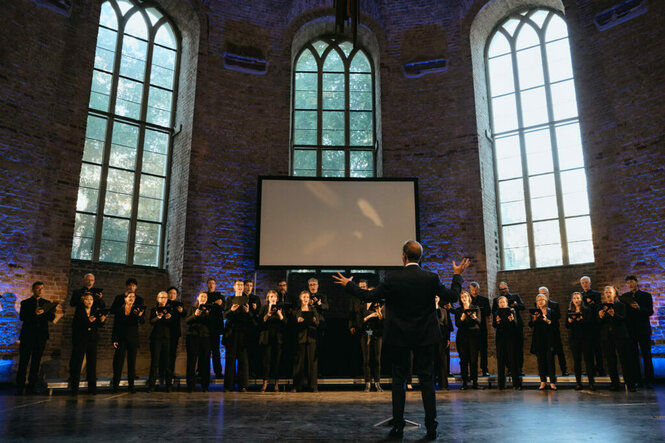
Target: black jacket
(78, 293)
(34, 326)
(176, 328)
(198, 326)
(238, 323)
(515, 302)
(581, 329)
(544, 334)
(591, 298)
(161, 327)
(410, 312)
(613, 326)
(216, 325)
(306, 332)
(83, 330)
(272, 330)
(119, 302)
(637, 320)
(505, 329)
(483, 303)
(126, 327)
(445, 323)
(373, 324)
(469, 326)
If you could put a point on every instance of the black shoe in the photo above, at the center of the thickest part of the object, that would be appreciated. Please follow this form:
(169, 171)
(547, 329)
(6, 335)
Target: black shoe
(565, 374)
(396, 431)
(592, 387)
(464, 387)
(486, 374)
(501, 388)
(132, 390)
(578, 387)
(475, 386)
(517, 388)
(431, 431)
(20, 391)
(243, 389)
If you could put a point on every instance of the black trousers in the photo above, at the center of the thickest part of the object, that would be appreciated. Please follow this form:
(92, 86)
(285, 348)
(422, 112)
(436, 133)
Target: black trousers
(507, 357)
(597, 349)
(423, 364)
(236, 350)
(128, 349)
(370, 345)
(582, 347)
(613, 346)
(83, 349)
(546, 368)
(442, 363)
(173, 353)
(483, 350)
(642, 344)
(272, 354)
(558, 350)
(160, 362)
(198, 355)
(307, 362)
(468, 347)
(216, 355)
(30, 351)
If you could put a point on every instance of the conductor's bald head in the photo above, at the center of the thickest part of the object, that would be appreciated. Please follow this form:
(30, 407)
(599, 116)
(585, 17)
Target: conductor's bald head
(411, 252)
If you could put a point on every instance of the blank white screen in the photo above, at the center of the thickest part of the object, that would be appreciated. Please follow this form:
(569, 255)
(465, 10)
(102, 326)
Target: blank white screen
(335, 224)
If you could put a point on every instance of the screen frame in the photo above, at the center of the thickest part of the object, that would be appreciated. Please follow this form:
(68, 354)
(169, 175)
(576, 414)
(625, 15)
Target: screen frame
(261, 178)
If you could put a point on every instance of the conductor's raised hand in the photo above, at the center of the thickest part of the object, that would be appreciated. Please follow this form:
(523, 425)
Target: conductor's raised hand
(341, 280)
(458, 269)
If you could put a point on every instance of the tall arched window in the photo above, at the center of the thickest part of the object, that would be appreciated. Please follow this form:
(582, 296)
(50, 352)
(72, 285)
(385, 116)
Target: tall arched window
(542, 199)
(120, 212)
(333, 125)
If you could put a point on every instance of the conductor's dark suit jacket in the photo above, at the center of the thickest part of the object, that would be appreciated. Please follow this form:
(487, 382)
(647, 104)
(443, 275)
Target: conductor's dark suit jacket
(410, 309)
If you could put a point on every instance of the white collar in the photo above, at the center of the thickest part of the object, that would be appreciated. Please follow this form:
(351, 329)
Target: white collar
(411, 264)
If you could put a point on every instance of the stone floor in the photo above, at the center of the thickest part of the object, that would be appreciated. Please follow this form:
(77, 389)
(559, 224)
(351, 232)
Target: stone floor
(334, 415)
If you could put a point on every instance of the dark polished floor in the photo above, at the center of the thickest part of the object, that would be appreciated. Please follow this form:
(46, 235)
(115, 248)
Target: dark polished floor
(334, 415)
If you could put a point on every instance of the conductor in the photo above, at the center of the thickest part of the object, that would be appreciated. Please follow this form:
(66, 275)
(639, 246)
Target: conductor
(411, 324)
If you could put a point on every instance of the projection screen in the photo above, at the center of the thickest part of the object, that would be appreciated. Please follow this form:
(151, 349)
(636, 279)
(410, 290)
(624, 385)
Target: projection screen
(335, 223)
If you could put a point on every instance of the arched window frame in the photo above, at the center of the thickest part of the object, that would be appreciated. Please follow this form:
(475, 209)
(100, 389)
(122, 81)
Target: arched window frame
(319, 147)
(142, 124)
(524, 15)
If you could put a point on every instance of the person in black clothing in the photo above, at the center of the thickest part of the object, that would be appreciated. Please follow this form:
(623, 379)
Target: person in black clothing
(178, 313)
(639, 307)
(125, 338)
(483, 303)
(592, 300)
(75, 301)
(614, 338)
(198, 343)
(556, 317)
(87, 320)
(239, 325)
(88, 286)
(543, 341)
(253, 351)
(442, 362)
(515, 302)
(289, 347)
(317, 300)
(216, 318)
(271, 338)
(580, 321)
(35, 314)
(306, 356)
(467, 320)
(130, 286)
(371, 339)
(411, 325)
(505, 322)
(161, 319)
(355, 329)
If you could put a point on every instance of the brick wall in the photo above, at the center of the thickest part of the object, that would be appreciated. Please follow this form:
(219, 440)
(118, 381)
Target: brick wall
(235, 126)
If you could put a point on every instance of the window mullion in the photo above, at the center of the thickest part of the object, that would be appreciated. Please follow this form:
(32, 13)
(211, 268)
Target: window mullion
(139, 150)
(525, 170)
(319, 118)
(347, 119)
(110, 121)
(554, 150)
